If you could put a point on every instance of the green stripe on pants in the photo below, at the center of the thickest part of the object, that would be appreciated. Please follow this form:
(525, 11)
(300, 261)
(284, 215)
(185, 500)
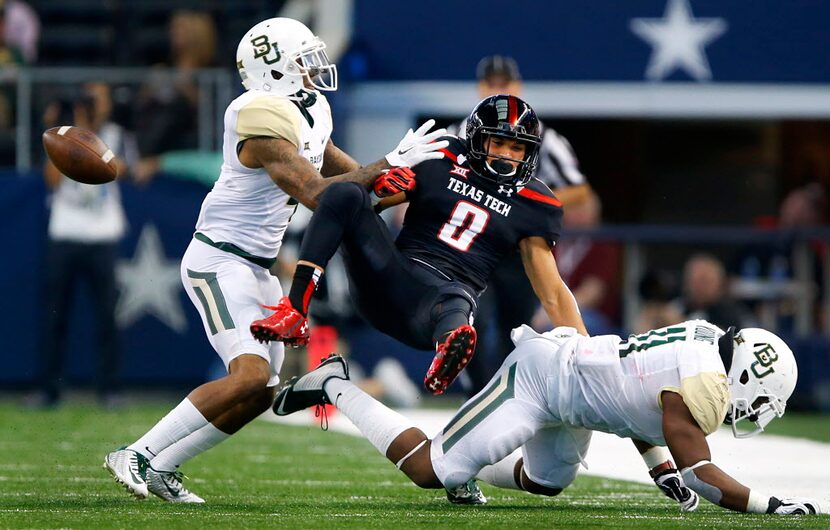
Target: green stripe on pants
(206, 287)
(478, 408)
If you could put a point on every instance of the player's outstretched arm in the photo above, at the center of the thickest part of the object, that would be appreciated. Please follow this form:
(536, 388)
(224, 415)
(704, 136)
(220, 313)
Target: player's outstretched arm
(687, 443)
(557, 300)
(296, 175)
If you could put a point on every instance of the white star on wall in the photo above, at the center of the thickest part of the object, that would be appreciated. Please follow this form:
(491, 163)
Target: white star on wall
(150, 284)
(678, 40)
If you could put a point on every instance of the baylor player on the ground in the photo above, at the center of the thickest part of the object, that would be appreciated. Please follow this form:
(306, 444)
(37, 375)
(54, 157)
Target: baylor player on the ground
(666, 387)
(276, 152)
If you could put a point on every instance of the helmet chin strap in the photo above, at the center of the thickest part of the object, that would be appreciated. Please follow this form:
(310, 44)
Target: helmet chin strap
(502, 168)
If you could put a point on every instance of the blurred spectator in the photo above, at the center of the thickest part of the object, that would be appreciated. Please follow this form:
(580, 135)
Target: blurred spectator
(509, 300)
(591, 268)
(766, 272)
(168, 102)
(705, 294)
(85, 224)
(10, 58)
(10, 54)
(22, 28)
(658, 290)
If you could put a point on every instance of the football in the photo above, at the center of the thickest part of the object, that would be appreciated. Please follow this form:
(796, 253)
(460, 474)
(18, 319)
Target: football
(80, 154)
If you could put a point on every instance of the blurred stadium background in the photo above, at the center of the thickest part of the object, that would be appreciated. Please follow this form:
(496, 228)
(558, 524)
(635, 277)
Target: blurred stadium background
(712, 137)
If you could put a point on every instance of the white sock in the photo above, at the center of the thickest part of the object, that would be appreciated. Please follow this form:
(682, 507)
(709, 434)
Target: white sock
(501, 474)
(378, 423)
(191, 445)
(179, 422)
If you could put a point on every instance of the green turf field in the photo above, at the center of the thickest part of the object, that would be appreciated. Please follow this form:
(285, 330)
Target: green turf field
(272, 476)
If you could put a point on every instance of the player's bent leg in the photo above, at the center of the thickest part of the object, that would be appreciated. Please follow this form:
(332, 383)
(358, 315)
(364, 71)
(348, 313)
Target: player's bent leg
(410, 453)
(552, 458)
(539, 489)
(245, 412)
(248, 375)
(455, 343)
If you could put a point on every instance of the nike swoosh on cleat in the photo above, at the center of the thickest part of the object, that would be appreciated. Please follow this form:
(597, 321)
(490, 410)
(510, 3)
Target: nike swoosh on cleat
(173, 493)
(281, 409)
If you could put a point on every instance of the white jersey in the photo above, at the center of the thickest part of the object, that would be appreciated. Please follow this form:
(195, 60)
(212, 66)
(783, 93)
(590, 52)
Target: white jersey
(613, 385)
(554, 389)
(246, 208)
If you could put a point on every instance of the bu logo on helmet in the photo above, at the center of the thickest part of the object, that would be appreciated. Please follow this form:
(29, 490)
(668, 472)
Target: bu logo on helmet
(262, 47)
(765, 357)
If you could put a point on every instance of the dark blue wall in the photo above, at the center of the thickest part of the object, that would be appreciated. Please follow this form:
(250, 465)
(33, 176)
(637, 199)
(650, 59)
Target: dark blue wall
(766, 40)
(153, 352)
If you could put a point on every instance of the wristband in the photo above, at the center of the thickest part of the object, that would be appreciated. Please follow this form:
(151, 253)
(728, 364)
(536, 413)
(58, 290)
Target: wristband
(656, 456)
(758, 502)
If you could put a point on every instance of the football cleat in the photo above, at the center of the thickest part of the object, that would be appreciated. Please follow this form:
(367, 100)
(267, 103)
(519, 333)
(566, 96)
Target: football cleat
(306, 391)
(286, 325)
(467, 493)
(451, 357)
(168, 486)
(129, 468)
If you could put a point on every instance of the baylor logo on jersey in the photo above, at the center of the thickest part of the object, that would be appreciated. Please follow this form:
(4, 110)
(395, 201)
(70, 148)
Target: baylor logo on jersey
(262, 47)
(766, 356)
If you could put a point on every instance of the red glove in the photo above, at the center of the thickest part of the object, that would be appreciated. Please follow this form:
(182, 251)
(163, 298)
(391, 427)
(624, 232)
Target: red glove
(394, 181)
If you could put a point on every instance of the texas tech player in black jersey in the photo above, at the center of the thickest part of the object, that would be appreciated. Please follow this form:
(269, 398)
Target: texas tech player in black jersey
(467, 211)
(463, 224)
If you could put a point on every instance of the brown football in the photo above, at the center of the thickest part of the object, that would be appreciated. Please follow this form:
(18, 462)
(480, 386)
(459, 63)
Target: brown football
(80, 154)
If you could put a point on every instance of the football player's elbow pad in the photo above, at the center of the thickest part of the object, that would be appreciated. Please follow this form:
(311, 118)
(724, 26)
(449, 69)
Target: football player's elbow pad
(704, 489)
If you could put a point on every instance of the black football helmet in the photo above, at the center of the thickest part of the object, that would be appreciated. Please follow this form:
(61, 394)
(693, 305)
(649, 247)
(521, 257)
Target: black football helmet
(506, 117)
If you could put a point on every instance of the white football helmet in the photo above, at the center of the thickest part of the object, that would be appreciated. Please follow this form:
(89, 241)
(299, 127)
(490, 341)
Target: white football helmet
(761, 379)
(278, 54)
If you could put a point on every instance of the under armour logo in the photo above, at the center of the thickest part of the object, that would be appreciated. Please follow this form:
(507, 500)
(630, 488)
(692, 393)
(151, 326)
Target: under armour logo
(506, 190)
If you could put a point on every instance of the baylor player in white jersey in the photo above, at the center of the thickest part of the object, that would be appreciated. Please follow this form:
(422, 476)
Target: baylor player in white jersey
(277, 152)
(666, 387)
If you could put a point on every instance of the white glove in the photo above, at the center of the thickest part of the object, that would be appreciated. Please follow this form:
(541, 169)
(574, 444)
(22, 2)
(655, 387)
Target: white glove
(418, 146)
(797, 506)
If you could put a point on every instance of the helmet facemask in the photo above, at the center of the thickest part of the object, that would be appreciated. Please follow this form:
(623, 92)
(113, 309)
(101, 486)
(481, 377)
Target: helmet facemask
(501, 168)
(315, 65)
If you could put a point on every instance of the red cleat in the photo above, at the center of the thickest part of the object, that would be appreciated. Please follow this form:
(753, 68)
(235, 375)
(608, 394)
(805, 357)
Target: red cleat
(286, 325)
(450, 358)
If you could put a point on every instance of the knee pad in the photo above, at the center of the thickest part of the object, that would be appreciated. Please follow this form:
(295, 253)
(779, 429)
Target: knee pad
(344, 196)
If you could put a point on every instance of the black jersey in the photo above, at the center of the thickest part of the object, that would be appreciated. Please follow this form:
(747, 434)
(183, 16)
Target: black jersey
(464, 224)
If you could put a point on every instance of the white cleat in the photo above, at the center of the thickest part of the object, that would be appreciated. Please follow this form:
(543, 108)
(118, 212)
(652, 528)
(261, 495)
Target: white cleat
(129, 469)
(307, 391)
(167, 485)
(467, 493)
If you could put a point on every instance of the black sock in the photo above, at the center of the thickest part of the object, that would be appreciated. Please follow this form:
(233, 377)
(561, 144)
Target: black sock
(303, 286)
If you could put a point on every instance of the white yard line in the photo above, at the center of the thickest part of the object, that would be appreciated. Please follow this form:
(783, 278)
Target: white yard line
(775, 465)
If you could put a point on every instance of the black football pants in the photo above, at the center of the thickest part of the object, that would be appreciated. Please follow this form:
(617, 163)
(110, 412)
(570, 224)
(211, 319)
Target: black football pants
(397, 296)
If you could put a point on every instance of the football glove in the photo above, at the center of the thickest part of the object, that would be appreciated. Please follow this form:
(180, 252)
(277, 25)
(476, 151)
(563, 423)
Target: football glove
(394, 181)
(418, 146)
(671, 484)
(797, 506)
